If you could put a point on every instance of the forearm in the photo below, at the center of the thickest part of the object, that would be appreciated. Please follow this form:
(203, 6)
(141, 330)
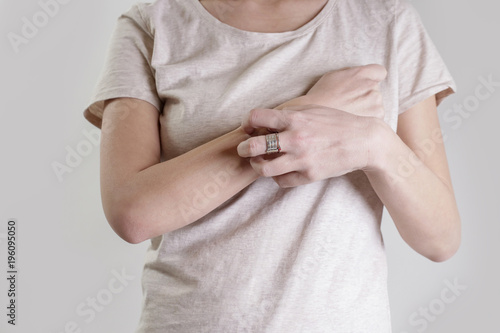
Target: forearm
(421, 204)
(166, 196)
(163, 197)
(177, 192)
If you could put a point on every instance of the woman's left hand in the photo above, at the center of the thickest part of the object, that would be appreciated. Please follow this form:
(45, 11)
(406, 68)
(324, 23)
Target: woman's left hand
(316, 143)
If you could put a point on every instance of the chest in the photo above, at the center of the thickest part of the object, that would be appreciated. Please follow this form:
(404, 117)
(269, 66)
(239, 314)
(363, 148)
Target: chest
(210, 83)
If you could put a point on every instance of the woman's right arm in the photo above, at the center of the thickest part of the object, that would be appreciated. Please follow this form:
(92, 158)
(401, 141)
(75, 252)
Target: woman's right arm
(143, 198)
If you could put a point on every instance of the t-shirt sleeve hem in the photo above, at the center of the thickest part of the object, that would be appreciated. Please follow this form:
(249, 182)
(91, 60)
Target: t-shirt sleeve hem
(94, 112)
(92, 118)
(441, 91)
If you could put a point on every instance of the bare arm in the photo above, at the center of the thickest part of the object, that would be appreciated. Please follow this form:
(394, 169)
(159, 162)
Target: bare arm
(143, 198)
(319, 142)
(410, 175)
(408, 170)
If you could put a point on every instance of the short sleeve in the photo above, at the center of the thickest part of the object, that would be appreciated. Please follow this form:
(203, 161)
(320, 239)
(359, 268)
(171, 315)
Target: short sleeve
(127, 71)
(421, 70)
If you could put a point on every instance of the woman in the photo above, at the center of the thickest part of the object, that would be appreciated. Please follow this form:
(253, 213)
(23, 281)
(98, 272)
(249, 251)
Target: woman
(253, 230)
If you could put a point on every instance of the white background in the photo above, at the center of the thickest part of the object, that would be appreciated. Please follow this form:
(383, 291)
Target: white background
(68, 254)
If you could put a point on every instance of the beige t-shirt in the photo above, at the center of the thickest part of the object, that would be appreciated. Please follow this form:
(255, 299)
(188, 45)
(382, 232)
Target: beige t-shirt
(304, 259)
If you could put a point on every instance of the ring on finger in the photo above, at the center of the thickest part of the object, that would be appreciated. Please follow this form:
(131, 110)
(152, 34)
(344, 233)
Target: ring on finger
(272, 143)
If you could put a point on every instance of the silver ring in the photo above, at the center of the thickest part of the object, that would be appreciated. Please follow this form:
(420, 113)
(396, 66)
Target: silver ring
(272, 143)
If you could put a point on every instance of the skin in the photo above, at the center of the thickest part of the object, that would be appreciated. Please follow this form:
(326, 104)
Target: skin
(264, 15)
(143, 198)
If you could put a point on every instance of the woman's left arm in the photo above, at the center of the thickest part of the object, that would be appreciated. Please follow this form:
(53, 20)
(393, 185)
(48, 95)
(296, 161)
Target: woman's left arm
(410, 175)
(408, 170)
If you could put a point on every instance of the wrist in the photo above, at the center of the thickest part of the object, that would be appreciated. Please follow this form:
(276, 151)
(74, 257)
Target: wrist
(297, 101)
(381, 141)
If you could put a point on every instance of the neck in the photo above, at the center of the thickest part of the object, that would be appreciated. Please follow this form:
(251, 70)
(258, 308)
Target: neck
(264, 15)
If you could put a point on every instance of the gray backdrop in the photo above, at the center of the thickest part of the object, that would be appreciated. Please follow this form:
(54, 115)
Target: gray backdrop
(76, 275)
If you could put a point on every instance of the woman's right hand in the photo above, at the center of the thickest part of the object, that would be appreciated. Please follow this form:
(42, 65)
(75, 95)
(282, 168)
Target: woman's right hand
(355, 90)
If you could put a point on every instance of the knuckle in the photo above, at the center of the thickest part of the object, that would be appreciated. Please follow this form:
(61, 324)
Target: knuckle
(253, 116)
(299, 140)
(375, 71)
(309, 175)
(266, 170)
(285, 117)
(253, 145)
(281, 182)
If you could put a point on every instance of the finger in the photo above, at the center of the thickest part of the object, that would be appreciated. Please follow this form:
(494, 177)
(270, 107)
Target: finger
(291, 179)
(372, 101)
(279, 165)
(265, 118)
(375, 72)
(257, 145)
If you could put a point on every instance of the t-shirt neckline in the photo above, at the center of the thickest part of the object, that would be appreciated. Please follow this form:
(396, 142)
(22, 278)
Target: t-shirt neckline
(261, 36)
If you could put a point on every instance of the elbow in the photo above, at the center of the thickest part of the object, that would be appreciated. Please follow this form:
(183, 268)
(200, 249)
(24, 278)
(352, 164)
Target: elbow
(126, 222)
(126, 227)
(445, 248)
(442, 256)
(130, 236)
(135, 219)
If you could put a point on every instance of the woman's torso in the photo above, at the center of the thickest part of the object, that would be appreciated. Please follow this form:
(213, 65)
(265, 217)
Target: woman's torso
(306, 259)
